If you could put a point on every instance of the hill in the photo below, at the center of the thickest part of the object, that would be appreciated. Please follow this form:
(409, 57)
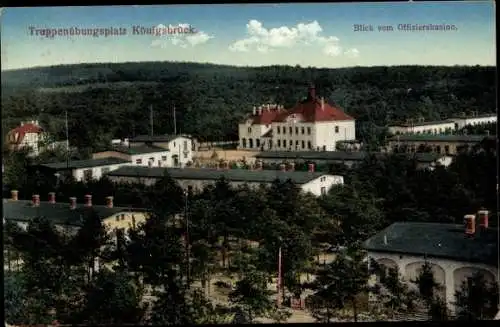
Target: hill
(112, 100)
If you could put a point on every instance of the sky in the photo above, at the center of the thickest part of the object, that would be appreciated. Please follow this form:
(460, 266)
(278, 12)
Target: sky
(318, 35)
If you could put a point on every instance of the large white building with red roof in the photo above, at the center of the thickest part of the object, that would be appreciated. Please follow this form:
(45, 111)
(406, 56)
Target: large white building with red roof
(27, 135)
(312, 125)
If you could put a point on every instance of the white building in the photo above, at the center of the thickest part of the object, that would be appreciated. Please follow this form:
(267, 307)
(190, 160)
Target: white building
(311, 125)
(194, 178)
(453, 255)
(141, 155)
(180, 147)
(423, 127)
(474, 119)
(29, 135)
(83, 170)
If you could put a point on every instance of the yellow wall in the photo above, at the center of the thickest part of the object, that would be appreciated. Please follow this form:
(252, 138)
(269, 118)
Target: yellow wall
(125, 220)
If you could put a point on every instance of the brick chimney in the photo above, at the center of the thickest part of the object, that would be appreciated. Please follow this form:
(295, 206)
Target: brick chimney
(72, 203)
(88, 200)
(109, 201)
(282, 167)
(14, 195)
(312, 92)
(52, 197)
(322, 103)
(291, 166)
(470, 224)
(483, 216)
(310, 168)
(36, 200)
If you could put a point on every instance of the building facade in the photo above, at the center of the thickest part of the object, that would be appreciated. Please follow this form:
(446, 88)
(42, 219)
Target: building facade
(474, 119)
(312, 125)
(180, 147)
(28, 135)
(448, 145)
(84, 170)
(453, 255)
(423, 127)
(149, 156)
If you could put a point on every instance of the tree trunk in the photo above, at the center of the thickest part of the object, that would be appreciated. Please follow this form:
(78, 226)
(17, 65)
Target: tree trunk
(355, 309)
(328, 315)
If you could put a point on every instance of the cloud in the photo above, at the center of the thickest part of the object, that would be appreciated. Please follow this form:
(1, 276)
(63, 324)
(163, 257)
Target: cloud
(264, 40)
(183, 40)
(352, 53)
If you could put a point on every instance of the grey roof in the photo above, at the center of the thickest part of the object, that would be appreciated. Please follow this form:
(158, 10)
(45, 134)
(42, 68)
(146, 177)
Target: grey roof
(486, 115)
(89, 163)
(141, 149)
(57, 213)
(438, 138)
(424, 123)
(235, 175)
(339, 155)
(155, 138)
(436, 240)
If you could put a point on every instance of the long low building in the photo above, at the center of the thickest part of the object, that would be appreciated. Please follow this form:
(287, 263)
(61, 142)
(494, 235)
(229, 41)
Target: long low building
(350, 159)
(82, 170)
(316, 183)
(442, 144)
(453, 255)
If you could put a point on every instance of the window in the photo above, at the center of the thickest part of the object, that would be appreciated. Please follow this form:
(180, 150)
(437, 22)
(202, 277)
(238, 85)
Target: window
(138, 161)
(257, 142)
(185, 155)
(249, 130)
(290, 129)
(447, 149)
(284, 130)
(117, 218)
(303, 144)
(152, 159)
(104, 171)
(336, 129)
(297, 144)
(174, 144)
(87, 174)
(309, 145)
(279, 143)
(296, 130)
(164, 158)
(278, 130)
(290, 143)
(185, 145)
(323, 190)
(309, 131)
(244, 142)
(284, 143)
(250, 143)
(302, 130)
(122, 217)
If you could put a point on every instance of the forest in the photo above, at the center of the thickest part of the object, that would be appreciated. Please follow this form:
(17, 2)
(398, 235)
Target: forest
(58, 271)
(106, 101)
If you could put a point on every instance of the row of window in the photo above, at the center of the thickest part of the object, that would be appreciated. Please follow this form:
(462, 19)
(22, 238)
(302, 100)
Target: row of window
(282, 130)
(298, 144)
(250, 143)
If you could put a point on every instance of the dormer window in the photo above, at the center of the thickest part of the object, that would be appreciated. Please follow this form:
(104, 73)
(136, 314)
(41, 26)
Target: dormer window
(249, 130)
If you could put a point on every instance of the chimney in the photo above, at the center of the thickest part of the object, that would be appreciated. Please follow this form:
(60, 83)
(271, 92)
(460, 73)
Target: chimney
(470, 224)
(72, 203)
(109, 201)
(282, 167)
(52, 197)
(483, 216)
(150, 163)
(254, 110)
(310, 168)
(36, 200)
(312, 92)
(291, 166)
(14, 195)
(385, 239)
(259, 110)
(322, 103)
(88, 200)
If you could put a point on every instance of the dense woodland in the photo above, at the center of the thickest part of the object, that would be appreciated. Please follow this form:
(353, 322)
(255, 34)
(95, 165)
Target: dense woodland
(58, 271)
(107, 101)
(57, 280)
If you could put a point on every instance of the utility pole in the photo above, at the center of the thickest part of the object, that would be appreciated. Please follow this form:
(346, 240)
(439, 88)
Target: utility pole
(67, 138)
(175, 123)
(279, 282)
(151, 119)
(188, 254)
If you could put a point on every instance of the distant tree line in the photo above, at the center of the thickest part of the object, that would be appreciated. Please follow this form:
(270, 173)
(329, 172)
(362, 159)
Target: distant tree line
(211, 100)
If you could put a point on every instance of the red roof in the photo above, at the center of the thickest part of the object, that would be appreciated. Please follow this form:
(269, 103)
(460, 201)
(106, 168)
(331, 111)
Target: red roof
(266, 117)
(312, 110)
(22, 130)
